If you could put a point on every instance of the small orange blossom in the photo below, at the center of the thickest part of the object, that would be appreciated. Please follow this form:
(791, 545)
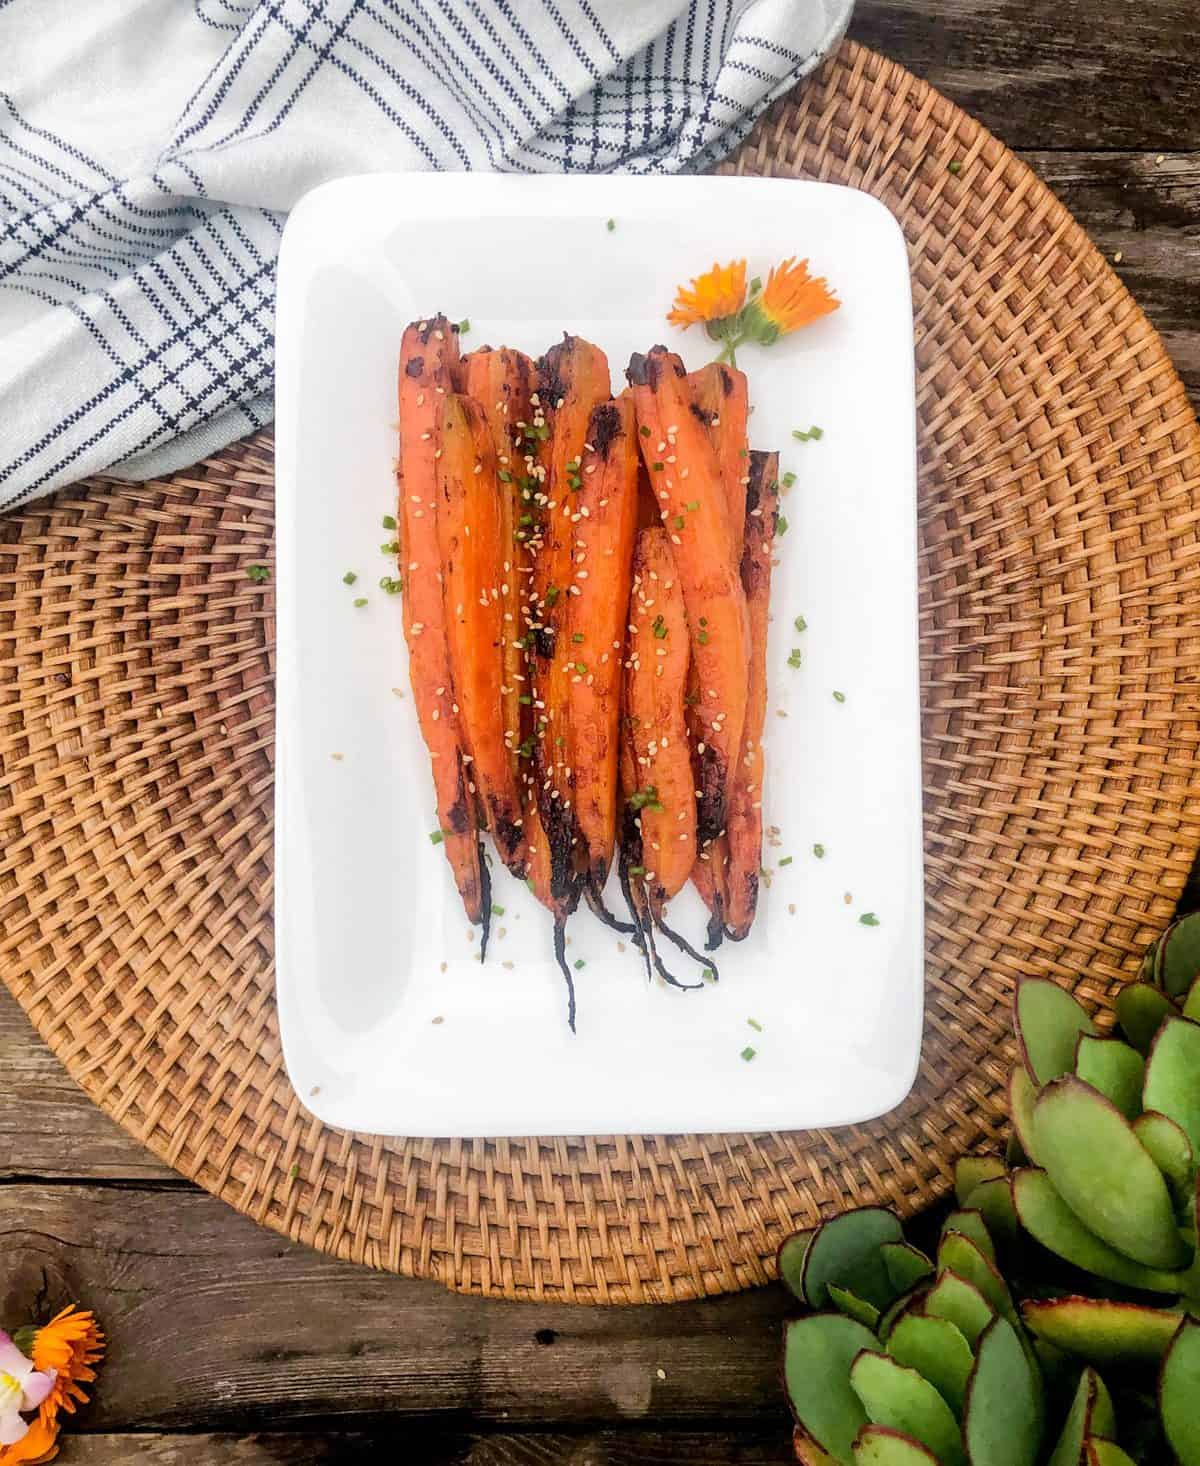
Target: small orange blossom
(792, 298)
(69, 1344)
(718, 293)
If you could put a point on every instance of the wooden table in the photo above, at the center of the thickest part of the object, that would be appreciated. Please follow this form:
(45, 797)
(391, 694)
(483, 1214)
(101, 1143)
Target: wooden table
(227, 1344)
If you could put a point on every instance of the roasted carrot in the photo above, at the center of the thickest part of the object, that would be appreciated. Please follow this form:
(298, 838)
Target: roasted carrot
(720, 400)
(694, 511)
(428, 356)
(572, 379)
(661, 809)
(501, 381)
(745, 806)
(596, 615)
(472, 559)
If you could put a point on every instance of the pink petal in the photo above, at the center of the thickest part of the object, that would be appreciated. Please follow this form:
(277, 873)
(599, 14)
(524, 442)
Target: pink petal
(37, 1386)
(12, 1361)
(12, 1428)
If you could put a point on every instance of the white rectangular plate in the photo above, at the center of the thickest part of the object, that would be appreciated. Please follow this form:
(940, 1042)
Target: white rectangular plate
(389, 1022)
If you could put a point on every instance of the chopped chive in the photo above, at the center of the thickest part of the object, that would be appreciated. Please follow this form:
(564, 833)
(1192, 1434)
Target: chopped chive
(388, 521)
(294, 1171)
(819, 851)
(813, 435)
(463, 326)
(577, 636)
(755, 1024)
(525, 700)
(552, 594)
(781, 524)
(610, 225)
(703, 620)
(360, 600)
(504, 476)
(692, 699)
(868, 918)
(692, 506)
(816, 433)
(785, 860)
(794, 658)
(637, 870)
(559, 741)
(748, 1053)
(710, 973)
(789, 479)
(659, 628)
(525, 748)
(702, 638)
(257, 573)
(436, 837)
(644, 430)
(391, 584)
(800, 624)
(579, 963)
(349, 578)
(390, 547)
(640, 798)
(657, 467)
(743, 453)
(839, 697)
(954, 167)
(497, 910)
(581, 667)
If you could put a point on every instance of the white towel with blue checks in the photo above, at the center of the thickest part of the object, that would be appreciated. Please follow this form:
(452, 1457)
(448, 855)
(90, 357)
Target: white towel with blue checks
(150, 151)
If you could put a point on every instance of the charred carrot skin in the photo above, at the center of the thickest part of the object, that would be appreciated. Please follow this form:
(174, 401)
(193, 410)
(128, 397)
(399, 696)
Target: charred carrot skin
(721, 402)
(501, 381)
(745, 809)
(693, 509)
(572, 380)
(472, 557)
(596, 616)
(428, 360)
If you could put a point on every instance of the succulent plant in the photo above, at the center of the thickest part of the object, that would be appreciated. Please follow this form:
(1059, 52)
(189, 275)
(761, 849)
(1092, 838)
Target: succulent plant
(906, 1359)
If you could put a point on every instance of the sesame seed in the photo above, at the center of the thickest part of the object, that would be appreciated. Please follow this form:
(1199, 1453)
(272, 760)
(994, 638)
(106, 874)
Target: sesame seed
(420, 399)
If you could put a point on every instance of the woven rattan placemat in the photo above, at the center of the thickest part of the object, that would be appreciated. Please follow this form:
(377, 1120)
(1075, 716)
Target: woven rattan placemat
(1059, 470)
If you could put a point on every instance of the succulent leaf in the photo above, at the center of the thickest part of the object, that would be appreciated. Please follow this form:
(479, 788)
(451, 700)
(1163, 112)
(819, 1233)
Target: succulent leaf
(1179, 956)
(1101, 1330)
(971, 1224)
(1101, 1171)
(791, 1260)
(1191, 1004)
(1049, 1220)
(959, 1255)
(953, 1298)
(1171, 1151)
(807, 1452)
(853, 1306)
(878, 1445)
(1114, 1068)
(1179, 1393)
(973, 1170)
(1048, 1022)
(845, 1250)
(1140, 1010)
(1002, 1423)
(1091, 1413)
(912, 1301)
(937, 1350)
(898, 1397)
(993, 1200)
(1100, 1452)
(1173, 1076)
(818, 1351)
(1022, 1096)
(906, 1265)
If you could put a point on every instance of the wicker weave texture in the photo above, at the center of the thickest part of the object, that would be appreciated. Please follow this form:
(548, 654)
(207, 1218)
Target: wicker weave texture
(1059, 470)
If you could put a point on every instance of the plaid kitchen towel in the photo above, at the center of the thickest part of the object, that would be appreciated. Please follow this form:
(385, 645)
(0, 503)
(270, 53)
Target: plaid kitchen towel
(150, 151)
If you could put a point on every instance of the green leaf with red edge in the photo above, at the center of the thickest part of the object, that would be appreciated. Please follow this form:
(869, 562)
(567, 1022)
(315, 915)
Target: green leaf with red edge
(1100, 1170)
(993, 1200)
(1179, 1393)
(911, 1301)
(1167, 1145)
(936, 1350)
(900, 1398)
(1099, 1452)
(845, 1250)
(1102, 1330)
(1091, 1413)
(1049, 1220)
(1022, 1096)
(959, 1254)
(1141, 1008)
(790, 1260)
(1191, 1004)
(878, 1445)
(953, 1298)
(971, 1224)
(818, 1351)
(853, 1306)
(807, 1452)
(1115, 1068)
(1173, 1076)
(1048, 1021)
(906, 1265)
(1179, 956)
(1002, 1420)
(971, 1171)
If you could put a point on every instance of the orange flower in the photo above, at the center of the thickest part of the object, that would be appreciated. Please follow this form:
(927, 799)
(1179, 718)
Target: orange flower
(69, 1344)
(718, 293)
(792, 298)
(38, 1444)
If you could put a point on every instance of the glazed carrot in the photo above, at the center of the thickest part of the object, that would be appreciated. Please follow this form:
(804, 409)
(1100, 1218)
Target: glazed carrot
(662, 807)
(596, 615)
(693, 509)
(501, 381)
(428, 355)
(572, 379)
(745, 806)
(721, 402)
(472, 559)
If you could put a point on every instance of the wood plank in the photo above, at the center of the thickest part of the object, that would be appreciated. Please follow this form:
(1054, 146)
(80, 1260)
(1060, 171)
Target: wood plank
(1052, 73)
(48, 1126)
(358, 1448)
(218, 1324)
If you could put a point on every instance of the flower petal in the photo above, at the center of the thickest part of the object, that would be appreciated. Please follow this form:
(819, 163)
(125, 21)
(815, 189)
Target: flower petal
(12, 1427)
(12, 1361)
(38, 1385)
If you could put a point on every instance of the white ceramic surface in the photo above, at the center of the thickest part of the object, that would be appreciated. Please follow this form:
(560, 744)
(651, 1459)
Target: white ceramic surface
(372, 944)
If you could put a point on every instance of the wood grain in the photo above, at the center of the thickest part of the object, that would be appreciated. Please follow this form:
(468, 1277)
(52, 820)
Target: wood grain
(1052, 73)
(369, 1448)
(216, 1323)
